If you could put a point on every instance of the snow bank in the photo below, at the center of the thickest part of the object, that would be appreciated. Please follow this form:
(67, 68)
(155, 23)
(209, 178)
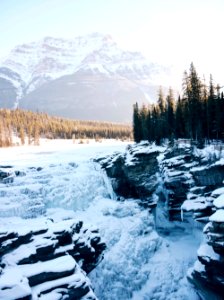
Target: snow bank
(218, 216)
(219, 202)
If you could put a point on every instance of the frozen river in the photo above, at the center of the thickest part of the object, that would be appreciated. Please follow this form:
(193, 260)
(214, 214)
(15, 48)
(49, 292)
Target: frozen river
(62, 179)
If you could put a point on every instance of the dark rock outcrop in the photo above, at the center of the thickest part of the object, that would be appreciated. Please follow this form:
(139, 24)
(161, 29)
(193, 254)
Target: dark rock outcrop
(176, 179)
(211, 176)
(188, 175)
(46, 256)
(134, 173)
(7, 174)
(208, 271)
(192, 184)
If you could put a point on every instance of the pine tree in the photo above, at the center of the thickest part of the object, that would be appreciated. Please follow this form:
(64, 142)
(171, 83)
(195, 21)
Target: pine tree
(137, 124)
(218, 113)
(195, 104)
(222, 116)
(161, 114)
(144, 126)
(22, 135)
(211, 110)
(161, 100)
(156, 130)
(149, 124)
(36, 134)
(170, 114)
(204, 110)
(180, 129)
(198, 115)
(186, 87)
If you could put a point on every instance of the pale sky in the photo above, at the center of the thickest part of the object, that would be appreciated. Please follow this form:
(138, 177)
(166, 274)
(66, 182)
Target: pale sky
(174, 32)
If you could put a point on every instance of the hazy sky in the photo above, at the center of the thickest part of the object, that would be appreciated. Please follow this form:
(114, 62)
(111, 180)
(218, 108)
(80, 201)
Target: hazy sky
(167, 31)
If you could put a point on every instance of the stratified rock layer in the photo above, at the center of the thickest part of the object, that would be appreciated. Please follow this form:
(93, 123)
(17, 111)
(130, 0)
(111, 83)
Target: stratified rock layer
(134, 173)
(208, 271)
(42, 258)
(190, 183)
(194, 186)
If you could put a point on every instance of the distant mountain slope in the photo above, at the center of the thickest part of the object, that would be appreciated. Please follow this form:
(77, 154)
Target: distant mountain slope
(86, 77)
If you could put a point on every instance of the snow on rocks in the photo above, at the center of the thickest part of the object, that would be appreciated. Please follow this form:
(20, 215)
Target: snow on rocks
(211, 254)
(189, 178)
(138, 263)
(133, 173)
(219, 202)
(194, 184)
(177, 179)
(131, 243)
(14, 285)
(46, 257)
(211, 176)
(218, 216)
(39, 256)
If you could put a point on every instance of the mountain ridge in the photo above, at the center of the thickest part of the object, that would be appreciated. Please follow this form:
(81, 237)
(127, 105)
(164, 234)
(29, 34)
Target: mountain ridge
(29, 67)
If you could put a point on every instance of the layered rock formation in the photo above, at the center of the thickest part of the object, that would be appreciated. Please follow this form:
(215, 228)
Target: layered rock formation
(176, 179)
(189, 181)
(41, 259)
(192, 180)
(134, 173)
(208, 270)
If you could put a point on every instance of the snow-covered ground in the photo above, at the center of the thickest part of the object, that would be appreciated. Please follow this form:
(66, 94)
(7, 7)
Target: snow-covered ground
(139, 263)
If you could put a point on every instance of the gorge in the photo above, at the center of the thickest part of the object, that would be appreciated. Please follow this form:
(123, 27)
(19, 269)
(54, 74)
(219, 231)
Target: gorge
(130, 217)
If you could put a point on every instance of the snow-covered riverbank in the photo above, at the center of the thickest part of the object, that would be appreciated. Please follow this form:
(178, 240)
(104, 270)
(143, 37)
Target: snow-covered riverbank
(138, 263)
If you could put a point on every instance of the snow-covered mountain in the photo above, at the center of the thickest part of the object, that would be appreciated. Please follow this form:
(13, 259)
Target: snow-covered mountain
(68, 77)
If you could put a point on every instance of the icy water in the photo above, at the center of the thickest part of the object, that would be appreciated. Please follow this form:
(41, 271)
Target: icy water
(138, 263)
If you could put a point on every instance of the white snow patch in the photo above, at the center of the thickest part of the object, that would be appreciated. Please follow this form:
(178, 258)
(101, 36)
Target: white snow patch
(195, 205)
(218, 216)
(13, 283)
(218, 192)
(207, 251)
(60, 264)
(219, 202)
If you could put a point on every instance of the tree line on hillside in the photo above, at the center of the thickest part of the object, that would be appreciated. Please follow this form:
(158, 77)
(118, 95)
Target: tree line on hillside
(198, 115)
(31, 126)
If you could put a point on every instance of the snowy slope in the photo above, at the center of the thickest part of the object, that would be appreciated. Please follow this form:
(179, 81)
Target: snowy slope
(29, 67)
(51, 58)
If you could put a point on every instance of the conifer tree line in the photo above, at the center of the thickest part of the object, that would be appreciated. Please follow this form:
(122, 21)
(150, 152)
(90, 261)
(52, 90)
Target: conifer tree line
(198, 115)
(30, 126)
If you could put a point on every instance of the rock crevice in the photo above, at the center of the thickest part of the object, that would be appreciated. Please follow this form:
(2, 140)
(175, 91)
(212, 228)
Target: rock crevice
(190, 182)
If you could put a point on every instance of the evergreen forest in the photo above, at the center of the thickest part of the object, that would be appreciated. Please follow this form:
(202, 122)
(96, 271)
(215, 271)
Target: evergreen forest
(197, 115)
(30, 127)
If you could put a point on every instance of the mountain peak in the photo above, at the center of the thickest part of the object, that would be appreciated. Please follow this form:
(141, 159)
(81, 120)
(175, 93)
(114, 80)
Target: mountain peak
(33, 66)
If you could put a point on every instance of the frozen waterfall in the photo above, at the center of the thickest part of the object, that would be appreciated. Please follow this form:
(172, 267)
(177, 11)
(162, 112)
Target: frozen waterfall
(138, 263)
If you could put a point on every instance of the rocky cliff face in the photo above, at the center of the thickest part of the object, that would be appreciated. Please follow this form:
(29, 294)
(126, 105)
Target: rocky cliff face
(208, 271)
(190, 184)
(42, 258)
(198, 193)
(134, 173)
